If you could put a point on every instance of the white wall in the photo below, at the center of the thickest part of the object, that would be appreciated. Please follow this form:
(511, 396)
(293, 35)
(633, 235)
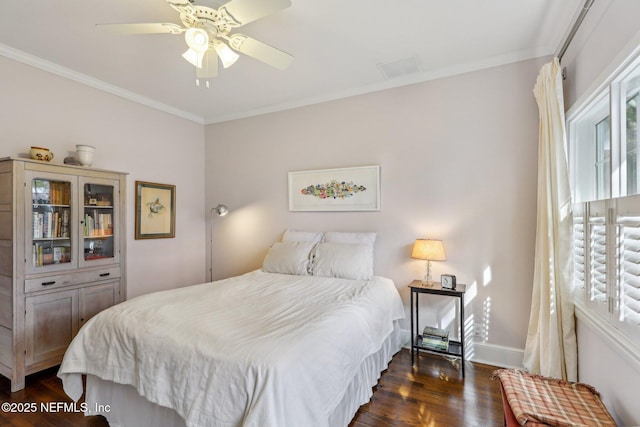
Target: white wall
(611, 31)
(42, 109)
(607, 31)
(458, 162)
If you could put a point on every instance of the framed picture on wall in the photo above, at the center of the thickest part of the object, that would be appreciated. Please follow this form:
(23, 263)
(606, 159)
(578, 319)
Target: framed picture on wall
(343, 189)
(155, 210)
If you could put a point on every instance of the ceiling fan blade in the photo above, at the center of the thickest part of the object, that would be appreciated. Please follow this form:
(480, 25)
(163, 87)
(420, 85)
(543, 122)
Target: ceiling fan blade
(209, 66)
(184, 7)
(260, 51)
(150, 28)
(245, 11)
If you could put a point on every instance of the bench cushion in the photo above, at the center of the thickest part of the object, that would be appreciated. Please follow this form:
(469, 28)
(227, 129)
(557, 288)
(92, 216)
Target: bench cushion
(537, 400)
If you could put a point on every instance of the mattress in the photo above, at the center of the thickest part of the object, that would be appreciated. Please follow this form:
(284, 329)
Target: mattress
(261, 349)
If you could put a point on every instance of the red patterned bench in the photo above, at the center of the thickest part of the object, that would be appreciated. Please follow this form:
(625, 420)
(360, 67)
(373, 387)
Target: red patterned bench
(533, 400)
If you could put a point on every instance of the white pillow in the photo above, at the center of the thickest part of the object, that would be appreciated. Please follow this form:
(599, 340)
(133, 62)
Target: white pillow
(302, 236)
(345, 261)
(288, 258)
(350, 238)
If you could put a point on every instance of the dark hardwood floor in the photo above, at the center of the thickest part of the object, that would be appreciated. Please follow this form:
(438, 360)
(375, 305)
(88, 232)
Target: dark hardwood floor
(431, 394)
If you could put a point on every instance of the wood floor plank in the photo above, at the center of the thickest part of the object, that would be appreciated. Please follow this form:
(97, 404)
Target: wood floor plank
(433, 393)
(430, 394)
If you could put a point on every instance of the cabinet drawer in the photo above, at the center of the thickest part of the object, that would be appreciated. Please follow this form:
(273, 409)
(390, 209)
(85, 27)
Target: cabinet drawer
(78, 278)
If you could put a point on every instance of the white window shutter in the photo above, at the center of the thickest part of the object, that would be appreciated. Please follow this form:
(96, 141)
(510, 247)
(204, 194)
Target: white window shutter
(628, 265)
(597, 288)
(579, 248)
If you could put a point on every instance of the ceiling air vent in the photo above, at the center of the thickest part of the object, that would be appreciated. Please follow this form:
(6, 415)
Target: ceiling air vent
(403, 67)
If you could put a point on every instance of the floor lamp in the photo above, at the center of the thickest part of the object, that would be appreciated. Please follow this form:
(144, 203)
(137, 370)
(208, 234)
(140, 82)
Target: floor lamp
(220, 210)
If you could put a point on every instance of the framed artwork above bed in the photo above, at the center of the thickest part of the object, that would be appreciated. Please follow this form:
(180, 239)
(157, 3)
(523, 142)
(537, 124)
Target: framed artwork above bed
(155, 210)
(342, 189)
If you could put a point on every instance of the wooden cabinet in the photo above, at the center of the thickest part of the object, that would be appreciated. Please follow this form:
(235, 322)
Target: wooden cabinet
(51, 321)
(93, 299)
(62, 252)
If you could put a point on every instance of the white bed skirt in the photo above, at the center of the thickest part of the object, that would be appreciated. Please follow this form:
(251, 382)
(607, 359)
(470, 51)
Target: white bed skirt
(122, 406)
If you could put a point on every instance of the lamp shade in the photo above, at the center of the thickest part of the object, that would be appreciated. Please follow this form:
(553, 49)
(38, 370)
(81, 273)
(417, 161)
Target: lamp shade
(227, 56)
(193, 57)
(197, 39)
(221, 210)
(431, 250)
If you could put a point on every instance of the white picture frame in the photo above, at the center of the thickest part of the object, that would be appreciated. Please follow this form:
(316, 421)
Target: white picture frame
(340, 189)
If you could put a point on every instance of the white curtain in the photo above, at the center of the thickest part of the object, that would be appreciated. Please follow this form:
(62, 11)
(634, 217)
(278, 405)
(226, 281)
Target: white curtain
(551, 340)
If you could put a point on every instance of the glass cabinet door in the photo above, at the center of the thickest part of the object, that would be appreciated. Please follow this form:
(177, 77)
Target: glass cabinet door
(50, 217)
(99, 219)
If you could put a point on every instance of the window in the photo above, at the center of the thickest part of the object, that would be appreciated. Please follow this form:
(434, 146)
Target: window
(605, 175)
(630, 148)
(591, 151)
(603, 158)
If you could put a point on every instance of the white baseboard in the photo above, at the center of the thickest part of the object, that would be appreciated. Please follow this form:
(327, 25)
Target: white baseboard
(488, 354)
(496, 355)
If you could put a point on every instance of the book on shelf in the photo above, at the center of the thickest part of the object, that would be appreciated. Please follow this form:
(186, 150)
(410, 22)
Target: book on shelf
(98, 224)
(65, 223)
(37, 255)
(58, 193)
(37, 225)
(435, 332)
(48, 225)
(434, 343)
(47, 257)
(435, 338)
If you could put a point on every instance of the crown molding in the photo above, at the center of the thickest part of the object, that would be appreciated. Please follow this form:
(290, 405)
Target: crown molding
(421, 77)
(395, 83)
(67, 73)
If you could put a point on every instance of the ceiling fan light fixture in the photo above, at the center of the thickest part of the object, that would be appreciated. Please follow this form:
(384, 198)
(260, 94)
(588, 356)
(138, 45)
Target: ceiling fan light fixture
(227, 56)
(197, 39)
(193, 57)
(206, 31)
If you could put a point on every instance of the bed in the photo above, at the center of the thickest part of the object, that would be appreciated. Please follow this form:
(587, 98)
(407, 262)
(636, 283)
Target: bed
(301, 341)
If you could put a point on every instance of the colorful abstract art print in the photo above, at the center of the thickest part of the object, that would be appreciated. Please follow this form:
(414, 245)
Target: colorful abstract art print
(343, 189)
(333, 190)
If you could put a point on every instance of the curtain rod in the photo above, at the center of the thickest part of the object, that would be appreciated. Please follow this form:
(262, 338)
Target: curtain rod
(574, 29)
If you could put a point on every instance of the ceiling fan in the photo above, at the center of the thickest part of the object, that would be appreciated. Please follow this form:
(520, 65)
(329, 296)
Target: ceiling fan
(207, 33)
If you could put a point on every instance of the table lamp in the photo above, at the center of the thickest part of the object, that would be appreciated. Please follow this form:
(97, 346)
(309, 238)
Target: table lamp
(429, 250)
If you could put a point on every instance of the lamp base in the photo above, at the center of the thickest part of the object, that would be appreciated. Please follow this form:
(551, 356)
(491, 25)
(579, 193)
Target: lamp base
(427, 280)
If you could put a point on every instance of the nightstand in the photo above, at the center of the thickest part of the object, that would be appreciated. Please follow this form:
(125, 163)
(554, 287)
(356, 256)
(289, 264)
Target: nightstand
(456, 348)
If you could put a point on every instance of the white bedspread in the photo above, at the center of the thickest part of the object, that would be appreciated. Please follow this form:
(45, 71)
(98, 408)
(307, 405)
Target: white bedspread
(260, 349)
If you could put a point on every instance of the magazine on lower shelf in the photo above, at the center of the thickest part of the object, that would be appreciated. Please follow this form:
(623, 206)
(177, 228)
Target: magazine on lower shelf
(434, 339)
